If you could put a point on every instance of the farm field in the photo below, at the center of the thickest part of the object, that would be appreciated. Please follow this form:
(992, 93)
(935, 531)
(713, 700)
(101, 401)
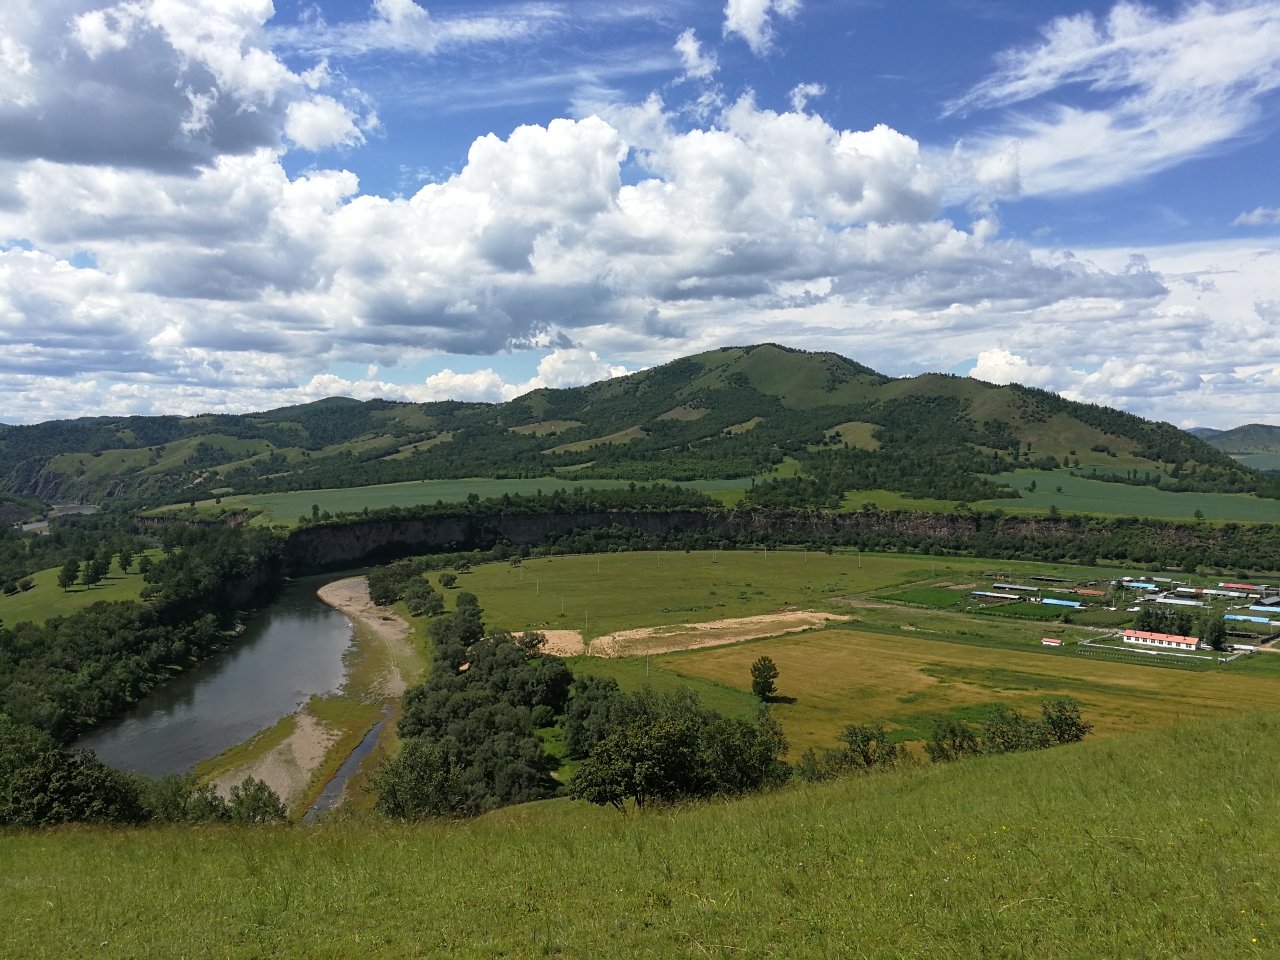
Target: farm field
(287, 507)
(47, 599)
(621, 591)
(1107, 848)
(844, 675)
(1080, 495)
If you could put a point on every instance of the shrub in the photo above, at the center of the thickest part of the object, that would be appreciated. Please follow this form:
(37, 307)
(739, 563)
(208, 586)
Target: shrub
(41, 784)
(252, 801)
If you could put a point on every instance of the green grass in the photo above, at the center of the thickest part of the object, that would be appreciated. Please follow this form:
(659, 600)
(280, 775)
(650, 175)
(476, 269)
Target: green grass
(943, 597)
(47, 599)
(619, 591)
(1152, 845)
(1026, 611)
(854, 673)
(287, 507)
(1080, 495)
(633, 674)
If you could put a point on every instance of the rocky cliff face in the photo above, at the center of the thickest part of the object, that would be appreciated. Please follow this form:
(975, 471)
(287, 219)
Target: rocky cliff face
(337, 545)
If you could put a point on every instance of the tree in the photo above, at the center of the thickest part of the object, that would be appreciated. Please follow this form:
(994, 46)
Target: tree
(144, 565)
(1213, 631)
(951, 740)
(763, 675)
(126, 559)
(69, 574)
(1062, 720)
(91, 573)
(1006, 731)
(423, 780)
(252, 801)
(531, 642)
(41, 784)
(447, 580)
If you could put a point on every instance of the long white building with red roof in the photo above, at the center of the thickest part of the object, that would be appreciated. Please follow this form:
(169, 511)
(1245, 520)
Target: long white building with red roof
(1170, 641)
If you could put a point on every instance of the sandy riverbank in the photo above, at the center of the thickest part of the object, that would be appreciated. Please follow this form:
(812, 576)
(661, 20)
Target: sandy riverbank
(288, 767)
(351, 596)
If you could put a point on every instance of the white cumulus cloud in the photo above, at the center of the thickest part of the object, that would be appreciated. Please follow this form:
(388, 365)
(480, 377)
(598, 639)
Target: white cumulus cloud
(322, 122)
(753, 20)
(696, 64)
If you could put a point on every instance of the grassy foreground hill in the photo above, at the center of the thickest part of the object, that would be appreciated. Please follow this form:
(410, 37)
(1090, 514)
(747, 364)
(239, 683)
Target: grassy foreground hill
(1158, 844)
(730, 413)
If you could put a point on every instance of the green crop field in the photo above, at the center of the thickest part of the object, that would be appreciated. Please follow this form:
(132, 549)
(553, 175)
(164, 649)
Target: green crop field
(942, 597)
(1149, 845)
(47, 599)
(1080, 495)
(287, 507)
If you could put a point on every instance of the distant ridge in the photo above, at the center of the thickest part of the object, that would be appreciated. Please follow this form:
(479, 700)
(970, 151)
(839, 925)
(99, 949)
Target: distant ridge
(728, 413)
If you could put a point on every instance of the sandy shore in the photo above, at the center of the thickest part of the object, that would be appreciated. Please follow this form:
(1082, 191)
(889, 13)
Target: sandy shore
(287, 769)
(351, 596)
(687, 636)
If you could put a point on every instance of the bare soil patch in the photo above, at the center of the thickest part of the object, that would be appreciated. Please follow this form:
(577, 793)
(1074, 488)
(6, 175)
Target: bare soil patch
(694, 636)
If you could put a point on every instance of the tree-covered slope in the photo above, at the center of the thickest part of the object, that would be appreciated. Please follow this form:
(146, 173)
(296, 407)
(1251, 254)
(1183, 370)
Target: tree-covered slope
(734, 412)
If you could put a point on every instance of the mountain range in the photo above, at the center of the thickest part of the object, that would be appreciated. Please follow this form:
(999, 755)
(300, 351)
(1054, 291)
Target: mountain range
(732, 412)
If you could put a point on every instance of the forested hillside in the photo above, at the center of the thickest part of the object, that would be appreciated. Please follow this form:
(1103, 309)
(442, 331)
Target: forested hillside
(736, 412)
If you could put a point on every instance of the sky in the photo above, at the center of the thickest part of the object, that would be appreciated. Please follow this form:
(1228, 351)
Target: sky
(230, 205)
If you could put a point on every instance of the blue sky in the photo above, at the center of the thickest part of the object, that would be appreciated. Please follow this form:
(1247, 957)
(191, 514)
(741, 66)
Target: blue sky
(227, 205)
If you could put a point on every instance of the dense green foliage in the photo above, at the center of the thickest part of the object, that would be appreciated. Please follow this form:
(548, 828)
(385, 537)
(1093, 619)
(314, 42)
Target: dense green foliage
(865, 747)
(671, 748)
(42, 785)
(404, 580)
(469, 728)
(72, 671)
(1005, 730)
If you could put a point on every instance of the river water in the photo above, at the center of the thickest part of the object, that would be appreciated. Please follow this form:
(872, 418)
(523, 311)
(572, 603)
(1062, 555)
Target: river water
(291, 650)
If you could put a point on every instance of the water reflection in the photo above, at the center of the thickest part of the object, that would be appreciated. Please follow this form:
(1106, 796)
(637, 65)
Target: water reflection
(291, 650)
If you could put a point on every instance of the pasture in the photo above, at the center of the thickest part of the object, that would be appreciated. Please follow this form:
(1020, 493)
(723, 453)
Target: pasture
(1081, 495)
(602, 593)
(900, 664)
(1156, 844)
(845, 675)
(47, 599)
(287, 507)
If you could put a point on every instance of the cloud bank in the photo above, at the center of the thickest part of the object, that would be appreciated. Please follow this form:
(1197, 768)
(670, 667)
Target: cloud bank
(164, 261)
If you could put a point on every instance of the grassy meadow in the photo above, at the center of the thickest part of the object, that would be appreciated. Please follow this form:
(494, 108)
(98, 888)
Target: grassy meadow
(1158, 844)
(47, 599)
(287, 507)
(902, 663)
(1080, 495)
(620, 591)
(838, 676)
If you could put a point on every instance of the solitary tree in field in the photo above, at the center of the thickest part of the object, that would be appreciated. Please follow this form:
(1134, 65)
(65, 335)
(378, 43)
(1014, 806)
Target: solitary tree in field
(763, 673)
(144, 564)
(91, 573)
(126, 559)
(69, 574)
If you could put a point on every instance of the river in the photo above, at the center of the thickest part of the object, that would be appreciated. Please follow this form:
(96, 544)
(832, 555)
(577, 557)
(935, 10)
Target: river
(291, 650)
